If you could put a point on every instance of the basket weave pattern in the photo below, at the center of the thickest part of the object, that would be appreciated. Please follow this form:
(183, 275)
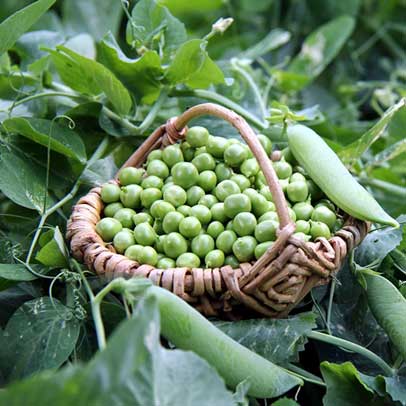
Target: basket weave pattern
(270, 287)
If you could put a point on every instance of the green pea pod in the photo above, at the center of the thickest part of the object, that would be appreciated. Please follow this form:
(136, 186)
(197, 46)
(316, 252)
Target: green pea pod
(333, 178)
(389, 309)
(187, 329)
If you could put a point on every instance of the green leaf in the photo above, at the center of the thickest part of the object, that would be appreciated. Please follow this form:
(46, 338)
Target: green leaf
(16, 272)
(193, 66)
(14, 26)
(60, 138)
(285, 402)
(90, 77)
(41, 334)
(345, 387)
(53, 253)
(100, 171)
(351, 153)
(96, 17)
(151, 21)
(278, 340)
(318, 50)
(133, 370)
(392, 152)
(389, 308)
(377, 244)
(141, 75)
(273, 40)
(23, 182)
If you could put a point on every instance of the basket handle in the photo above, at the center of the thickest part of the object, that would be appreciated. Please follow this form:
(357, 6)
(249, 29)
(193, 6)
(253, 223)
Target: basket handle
(179, 123)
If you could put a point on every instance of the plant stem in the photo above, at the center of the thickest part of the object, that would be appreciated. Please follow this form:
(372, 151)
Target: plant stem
(96, 155)
(150, 117)
(330, 304)
(390, 188)
(305, 375)
(348, 345)
(218, 98)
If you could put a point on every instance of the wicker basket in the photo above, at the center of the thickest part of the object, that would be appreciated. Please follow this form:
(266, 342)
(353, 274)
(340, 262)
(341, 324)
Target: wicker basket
(269, 287)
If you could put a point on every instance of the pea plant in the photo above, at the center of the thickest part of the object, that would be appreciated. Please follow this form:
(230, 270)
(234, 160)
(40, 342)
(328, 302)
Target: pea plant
(83, 83)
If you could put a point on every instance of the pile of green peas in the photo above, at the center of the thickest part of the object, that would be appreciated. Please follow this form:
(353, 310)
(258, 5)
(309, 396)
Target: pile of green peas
(205, 202)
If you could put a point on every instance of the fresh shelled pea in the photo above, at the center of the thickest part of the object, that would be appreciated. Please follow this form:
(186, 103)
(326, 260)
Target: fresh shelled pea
(206, 202)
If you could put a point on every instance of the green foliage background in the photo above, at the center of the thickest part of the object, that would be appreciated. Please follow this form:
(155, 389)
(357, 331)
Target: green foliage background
(82, 83)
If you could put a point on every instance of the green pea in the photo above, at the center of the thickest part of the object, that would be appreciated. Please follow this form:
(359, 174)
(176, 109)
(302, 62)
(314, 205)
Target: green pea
(241, 181)
(218, 212)
(235, 155)
(203, 213)
(190, 227)
(215, 228)
(174, 245)
(133, 252)
(197, 136)
(160, 208)
(214, 259)
(175, 195)
(283, 169)
(122, 240)
(266, 230)
(226, 188)
(130, 196)
(207, 180)
(204, 162)
(188, 260)
(325, 215)
(172, 154)
(249, 167)
(158, 168)
(171, 221)
(208, 200)
(260, 249)
(155, 154)
(319, 229)
(236, 203)
(232, 261)
(303, 210)
(297, 191)
(244, 224)
(271, 215)
(159, 243)
(184, 209)
(194, 194)
(297, 177)
(202, 245)
(130, 175)
(225, 241)
(107, 228)
(148, 256)
(216, 146)
(144, 234)
(260, 180)
(149, 196)
(223, 172)
(166, 263)
(110, 193)
(185, 174)
(112, 208)
(244, 248)
(302, 226)
(125, 217)
(152, 182)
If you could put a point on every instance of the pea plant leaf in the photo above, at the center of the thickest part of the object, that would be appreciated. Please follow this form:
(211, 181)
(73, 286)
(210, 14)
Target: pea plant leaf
(141, 75)
(133, 369)
(60, 139)
(14, 26)
(97, 17)
(351, 153)
(150, 21)
(11, 274)
(193, 66)
(377, 244)
(90, 77)
(317, 51)
(53, 252)
(278, 340)
(23, 182)
(41, 334)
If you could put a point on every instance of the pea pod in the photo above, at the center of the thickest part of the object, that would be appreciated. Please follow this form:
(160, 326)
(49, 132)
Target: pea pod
(333, 178)
(187, 329)
(389, 309)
